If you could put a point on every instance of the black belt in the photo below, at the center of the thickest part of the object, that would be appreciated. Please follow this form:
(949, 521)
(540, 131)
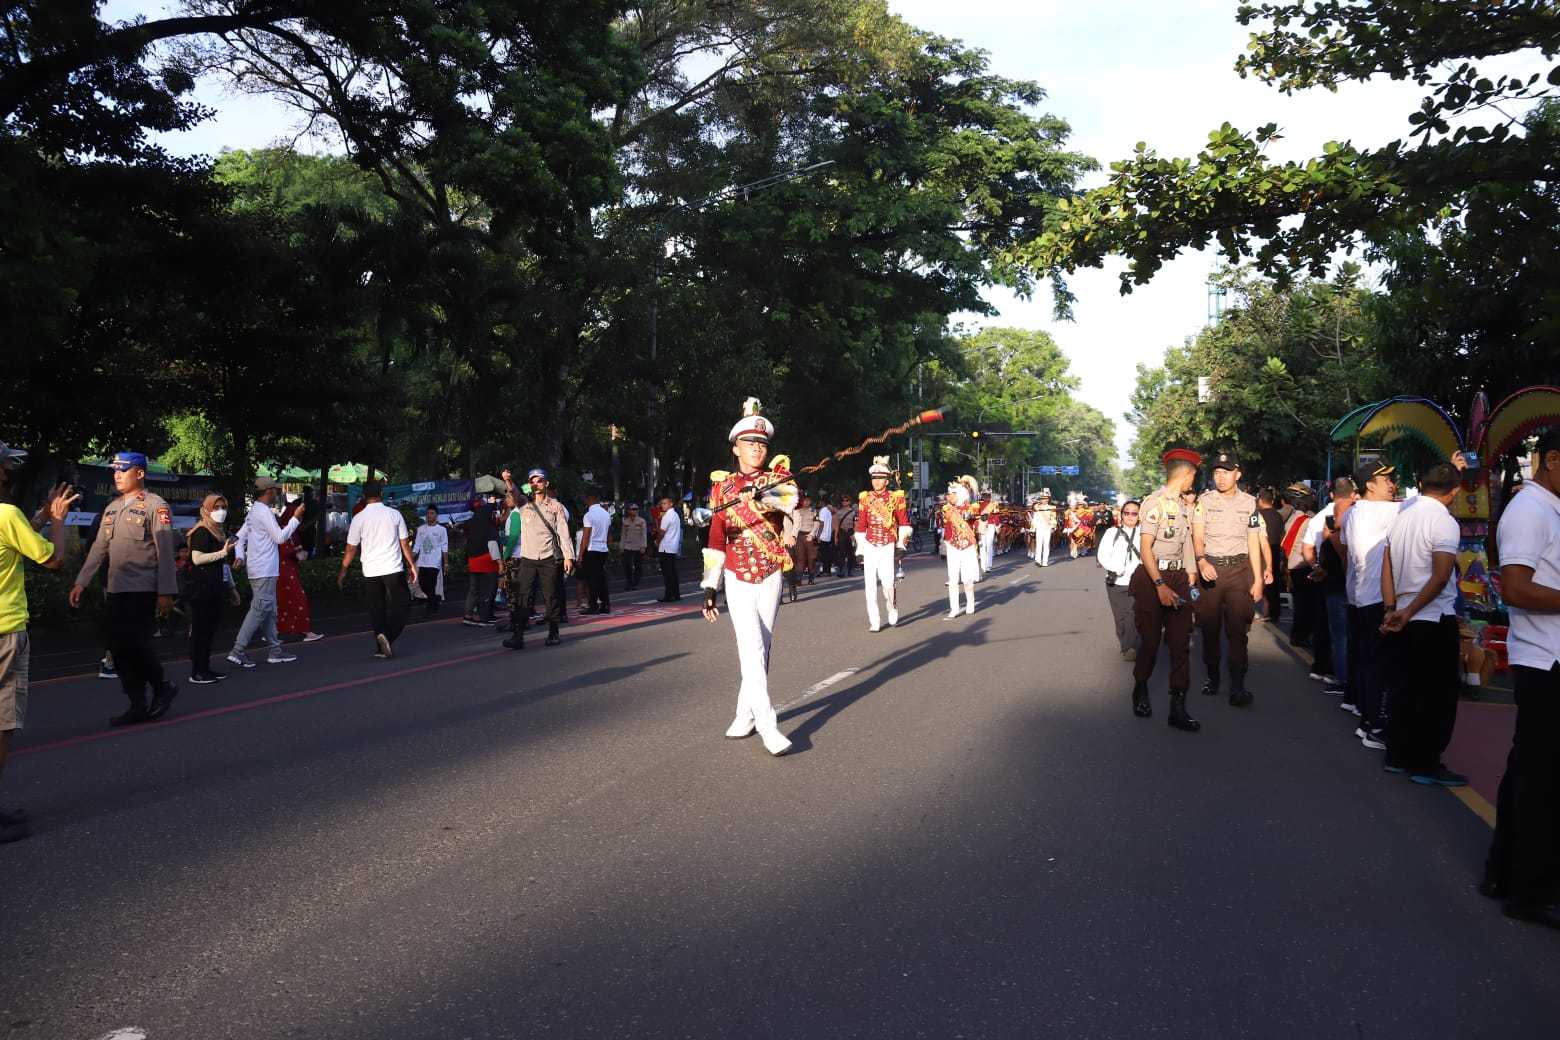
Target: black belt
(1229, 561)
(1170, 565)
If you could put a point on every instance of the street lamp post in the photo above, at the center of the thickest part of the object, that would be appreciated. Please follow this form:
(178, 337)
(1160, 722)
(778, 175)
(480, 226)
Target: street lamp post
(662, 238)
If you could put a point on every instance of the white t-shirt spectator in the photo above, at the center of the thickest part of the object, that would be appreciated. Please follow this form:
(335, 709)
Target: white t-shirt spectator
(1422, 529)
(378, 532)
(826, 518)
(671, 533)
(1120, 553)
(600, 523)
(432, 543)
(1364, 534)
(1314, 533)
(1529, 535)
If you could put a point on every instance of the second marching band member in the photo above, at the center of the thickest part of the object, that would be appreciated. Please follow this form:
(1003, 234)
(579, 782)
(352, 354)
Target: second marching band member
(882, 527)
(962, 544)
(746, 553)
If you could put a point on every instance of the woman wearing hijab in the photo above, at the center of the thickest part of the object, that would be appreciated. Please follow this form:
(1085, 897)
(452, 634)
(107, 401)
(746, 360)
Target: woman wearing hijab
(292, 606)
(209, 585)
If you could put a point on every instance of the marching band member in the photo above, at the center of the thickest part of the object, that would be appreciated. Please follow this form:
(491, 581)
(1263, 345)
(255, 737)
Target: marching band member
(882, 526)
(962, 544)
(745, 551)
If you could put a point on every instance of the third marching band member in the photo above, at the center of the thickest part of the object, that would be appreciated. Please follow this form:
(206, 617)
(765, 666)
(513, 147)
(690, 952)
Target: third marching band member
(962, 544)
(882, 526)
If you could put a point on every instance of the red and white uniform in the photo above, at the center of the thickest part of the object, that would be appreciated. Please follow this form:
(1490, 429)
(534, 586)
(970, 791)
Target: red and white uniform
(961, 544)
(882, 526)
(745, 553)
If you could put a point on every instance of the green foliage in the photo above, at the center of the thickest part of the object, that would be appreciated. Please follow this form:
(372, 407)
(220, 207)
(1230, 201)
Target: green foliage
(1293, 216)
(1284, 364)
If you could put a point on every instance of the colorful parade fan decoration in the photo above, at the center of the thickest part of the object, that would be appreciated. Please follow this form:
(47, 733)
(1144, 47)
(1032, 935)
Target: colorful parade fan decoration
(1518, 417)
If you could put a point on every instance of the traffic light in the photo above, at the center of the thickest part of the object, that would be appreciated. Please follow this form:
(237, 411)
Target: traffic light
(977, 434)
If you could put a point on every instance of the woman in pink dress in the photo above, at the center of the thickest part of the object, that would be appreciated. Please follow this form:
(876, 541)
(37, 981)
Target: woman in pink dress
(292, 606)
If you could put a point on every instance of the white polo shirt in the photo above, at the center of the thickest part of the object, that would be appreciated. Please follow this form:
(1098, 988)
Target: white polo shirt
(378, 532)
(1529, 535)
(1423, 528)
(600, 523)
(1364, 533)
(671, 532)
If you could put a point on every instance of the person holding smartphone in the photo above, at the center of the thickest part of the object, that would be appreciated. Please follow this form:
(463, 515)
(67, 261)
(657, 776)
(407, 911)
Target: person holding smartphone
(211, 584)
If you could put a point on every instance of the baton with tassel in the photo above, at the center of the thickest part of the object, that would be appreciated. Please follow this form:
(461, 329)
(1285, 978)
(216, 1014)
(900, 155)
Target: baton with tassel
(932, 416)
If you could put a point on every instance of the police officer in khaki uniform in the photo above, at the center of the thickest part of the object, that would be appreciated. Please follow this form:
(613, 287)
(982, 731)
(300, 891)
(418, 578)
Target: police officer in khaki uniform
(1227, 536)
(136, 540)
(1161, 589)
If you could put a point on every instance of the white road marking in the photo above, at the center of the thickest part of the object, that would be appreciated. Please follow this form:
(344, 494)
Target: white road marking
(817, 687)
(125, 1033)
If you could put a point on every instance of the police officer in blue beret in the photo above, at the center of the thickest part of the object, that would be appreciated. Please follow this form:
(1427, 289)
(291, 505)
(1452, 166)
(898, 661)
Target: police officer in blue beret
(137, 543)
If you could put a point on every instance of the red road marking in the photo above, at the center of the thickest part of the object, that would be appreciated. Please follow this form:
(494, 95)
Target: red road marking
(248, 705)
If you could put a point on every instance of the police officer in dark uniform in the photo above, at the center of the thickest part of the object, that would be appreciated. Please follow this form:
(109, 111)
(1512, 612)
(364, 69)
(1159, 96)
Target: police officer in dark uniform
(137, 543)
(1161, 589)
(1227, 536)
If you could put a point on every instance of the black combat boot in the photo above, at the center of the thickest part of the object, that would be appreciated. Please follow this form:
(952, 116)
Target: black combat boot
(1239, 695)
(1140, 706)
(1211, 687)
(1179, 719)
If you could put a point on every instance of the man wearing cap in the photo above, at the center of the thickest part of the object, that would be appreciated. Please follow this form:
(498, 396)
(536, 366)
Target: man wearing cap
(546, 553)
(883, 526)
(1161, 589)
(18, 541)
(257, 551)
(746, 553)
(1360, 539)
(635, 539)
(1044, 523)
(1227, 537)
(136, 542)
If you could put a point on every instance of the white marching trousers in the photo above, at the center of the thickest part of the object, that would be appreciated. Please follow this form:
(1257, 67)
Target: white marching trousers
(1043, 546)
(878, 567)
(988, 542)
(753, 609)
(963, 569)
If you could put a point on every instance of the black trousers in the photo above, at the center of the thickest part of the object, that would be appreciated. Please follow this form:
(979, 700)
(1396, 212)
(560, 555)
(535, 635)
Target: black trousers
(846, 554)
(1367, 664)
(389, 600)
(633, 563)
(205, 613)
(669, 578)
(548, 574)
(1525, 853)
(1307, 596)
(595, 567)
(428, 581)
(128, 625)
(1424, 694)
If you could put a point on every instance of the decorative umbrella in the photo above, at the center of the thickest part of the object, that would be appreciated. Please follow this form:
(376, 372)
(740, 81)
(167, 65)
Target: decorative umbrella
(351, 473)
(487, 484)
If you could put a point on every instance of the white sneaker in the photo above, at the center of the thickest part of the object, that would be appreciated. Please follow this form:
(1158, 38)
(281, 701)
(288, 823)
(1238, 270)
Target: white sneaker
(970, 609)
(739, 729)
(775, 743)
(893, 618)
(874, 628)
(239, 660)
(951, 614)
(280, 657)
(313, 637)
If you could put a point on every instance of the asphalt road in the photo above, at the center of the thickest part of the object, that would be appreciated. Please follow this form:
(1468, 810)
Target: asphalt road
(973, 837)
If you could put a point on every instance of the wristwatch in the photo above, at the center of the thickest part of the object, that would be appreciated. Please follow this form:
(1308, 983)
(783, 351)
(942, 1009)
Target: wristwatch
(1158, 582)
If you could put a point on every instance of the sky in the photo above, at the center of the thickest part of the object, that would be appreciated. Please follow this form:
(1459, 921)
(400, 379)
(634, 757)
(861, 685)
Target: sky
(1118, 72)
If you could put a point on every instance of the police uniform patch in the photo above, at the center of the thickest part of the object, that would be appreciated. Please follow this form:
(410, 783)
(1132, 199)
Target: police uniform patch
(1152, 516)
(1256, 521)
(164, 517)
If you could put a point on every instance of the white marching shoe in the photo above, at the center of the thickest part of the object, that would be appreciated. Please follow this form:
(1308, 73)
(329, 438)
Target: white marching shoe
(893, 618)
(740, 729)
(874, 627)
(775, 743)
(952, 614)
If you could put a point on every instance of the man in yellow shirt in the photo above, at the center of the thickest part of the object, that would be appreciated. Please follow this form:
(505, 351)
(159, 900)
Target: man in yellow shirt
(17, 541)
